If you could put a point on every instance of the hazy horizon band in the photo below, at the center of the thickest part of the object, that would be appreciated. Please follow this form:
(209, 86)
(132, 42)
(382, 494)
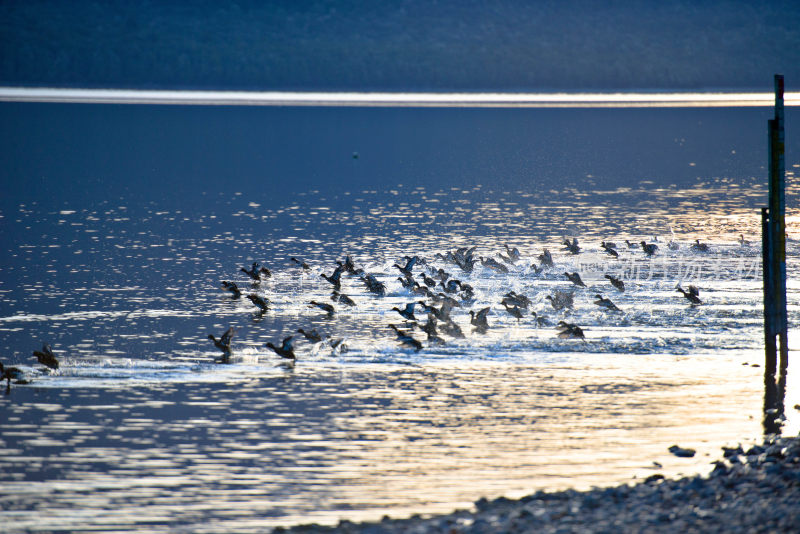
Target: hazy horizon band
(394, 99)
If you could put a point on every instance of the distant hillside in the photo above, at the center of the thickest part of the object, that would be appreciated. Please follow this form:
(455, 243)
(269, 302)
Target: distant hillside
(399, 45)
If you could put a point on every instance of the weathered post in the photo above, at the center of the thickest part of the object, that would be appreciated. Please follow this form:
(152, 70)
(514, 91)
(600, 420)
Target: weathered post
(773, 243)
(777, 208)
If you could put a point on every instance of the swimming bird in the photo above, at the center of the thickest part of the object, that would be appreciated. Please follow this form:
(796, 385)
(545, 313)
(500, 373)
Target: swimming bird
(616, 282)
(609, 249)
(341, 298)
(478, 319)
(560, 300)
(493, 264)
(697, 246)
(262, 303)
(648, 248)
(605, 303)
(11, 373)
(572, 246)
(232, 287)
(569, 331)
(324, 306)
(335, 278)
(46, 357)
(692, 295)
(742, 241)
(575, 278)
(407, 312)
(286, 350)
(311, 335)
(224, 342)
(608, 244)
(631, 245)
(405, 339)
(546, 258)
(302, 264)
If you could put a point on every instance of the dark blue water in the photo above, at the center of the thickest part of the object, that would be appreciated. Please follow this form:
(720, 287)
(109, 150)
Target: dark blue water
(119, 222)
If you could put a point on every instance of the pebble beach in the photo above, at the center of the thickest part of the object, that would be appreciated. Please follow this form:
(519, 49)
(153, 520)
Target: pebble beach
(753, 490)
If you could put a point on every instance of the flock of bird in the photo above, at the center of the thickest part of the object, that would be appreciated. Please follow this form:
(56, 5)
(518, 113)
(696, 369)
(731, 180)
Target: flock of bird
(435, 295)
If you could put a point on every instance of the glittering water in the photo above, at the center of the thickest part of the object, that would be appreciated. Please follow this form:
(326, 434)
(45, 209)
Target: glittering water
(140, 428)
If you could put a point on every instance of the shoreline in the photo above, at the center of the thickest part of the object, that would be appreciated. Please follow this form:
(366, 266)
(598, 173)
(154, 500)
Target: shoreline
(757, 490)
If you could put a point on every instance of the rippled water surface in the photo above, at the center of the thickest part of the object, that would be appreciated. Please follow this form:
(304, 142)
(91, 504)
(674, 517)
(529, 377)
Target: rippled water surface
(140, 428)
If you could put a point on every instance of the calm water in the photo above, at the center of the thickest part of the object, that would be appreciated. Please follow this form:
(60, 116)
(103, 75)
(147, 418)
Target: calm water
(114, 256)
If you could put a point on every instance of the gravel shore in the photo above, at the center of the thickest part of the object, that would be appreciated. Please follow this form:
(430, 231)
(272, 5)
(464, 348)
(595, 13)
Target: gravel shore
(757, 490)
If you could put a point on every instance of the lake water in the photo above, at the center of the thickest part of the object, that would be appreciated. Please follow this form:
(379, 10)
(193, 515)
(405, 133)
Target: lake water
(118, 223)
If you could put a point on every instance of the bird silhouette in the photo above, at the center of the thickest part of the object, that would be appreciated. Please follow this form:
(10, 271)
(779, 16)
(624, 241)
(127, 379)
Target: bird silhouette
(46, 357)
(286, 350)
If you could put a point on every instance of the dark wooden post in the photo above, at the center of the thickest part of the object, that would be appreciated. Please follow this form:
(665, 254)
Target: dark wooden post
(773, 243)
(777, 208)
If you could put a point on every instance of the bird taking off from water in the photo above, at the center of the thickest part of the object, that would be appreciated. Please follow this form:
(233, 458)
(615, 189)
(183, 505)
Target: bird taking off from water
(302, 264)
(610, 248)
(324, 306)
(224, 342)
(311, 335)
(575, 278)
(560, 300)
(256, 271)
(261, 302)
(479, 321)
(692, 295)
(286, 350)
(605, 303)
(572, 246)
(46, 357)
(407, 312)
(11, 373)
(405, 339)
(616, 282)
(232, 287)
(569, 331)
(649, 248)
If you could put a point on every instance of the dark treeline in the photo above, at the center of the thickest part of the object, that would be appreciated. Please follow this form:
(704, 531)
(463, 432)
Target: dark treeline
(399, 45)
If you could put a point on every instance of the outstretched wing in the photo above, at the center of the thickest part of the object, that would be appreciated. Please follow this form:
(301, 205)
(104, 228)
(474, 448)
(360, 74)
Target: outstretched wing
(227, 336)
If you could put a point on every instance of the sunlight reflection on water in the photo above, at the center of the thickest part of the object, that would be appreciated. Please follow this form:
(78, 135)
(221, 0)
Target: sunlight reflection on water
(140, 428)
